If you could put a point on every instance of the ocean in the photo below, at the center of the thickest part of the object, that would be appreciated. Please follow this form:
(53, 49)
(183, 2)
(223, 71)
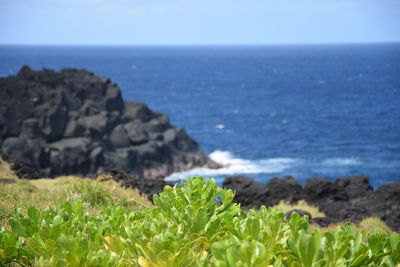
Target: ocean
(266, 111)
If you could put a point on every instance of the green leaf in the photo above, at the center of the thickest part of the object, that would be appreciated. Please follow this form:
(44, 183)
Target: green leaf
(11, 252)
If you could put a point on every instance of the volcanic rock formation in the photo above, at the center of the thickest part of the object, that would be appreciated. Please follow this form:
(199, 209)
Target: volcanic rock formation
(346, 199)
(73, 122)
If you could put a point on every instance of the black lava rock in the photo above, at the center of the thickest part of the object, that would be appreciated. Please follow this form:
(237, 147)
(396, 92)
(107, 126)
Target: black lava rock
(300, 212)
(21, 168)
(250, 193)
(348, 199)
(73, 122)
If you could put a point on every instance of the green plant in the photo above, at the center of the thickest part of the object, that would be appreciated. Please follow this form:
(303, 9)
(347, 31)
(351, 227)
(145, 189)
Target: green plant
(195, 224)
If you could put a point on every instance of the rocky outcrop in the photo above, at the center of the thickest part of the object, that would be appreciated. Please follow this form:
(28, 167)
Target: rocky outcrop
(73, 122)
(346, 199)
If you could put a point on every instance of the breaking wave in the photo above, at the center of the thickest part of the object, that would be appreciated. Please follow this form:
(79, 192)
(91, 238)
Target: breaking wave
(235, 166)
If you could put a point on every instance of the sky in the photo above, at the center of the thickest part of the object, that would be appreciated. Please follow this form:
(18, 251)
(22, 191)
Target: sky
(198, 22)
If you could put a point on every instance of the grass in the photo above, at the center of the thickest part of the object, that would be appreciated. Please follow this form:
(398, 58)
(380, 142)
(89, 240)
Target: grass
(300, 205)
(186, 227)
(370, 225)
(5, 170)
(374, 224)
(52, 193)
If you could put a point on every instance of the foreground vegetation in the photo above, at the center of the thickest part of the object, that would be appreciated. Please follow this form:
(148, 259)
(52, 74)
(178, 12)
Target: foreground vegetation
(53, 193)
(193, 225)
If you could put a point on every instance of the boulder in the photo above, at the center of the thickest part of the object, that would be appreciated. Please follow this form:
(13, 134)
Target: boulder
(74, 122)
(136, 133)
(286, 188)
(354, 186)
(136, 111)
(70, 156)
(302, 213)
(318, 189)
(250, 193)
(385, 203)
(118, 137)
(324, 221)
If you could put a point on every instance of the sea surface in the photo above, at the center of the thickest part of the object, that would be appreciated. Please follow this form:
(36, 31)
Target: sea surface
(266, 111)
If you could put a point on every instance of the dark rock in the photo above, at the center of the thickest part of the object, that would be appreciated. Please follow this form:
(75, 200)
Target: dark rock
(324, 221)
(70, 156)
(54, 123)
(118, 137)
(26, 73)
(124, 158)
(354, 186)
(286, 188)
(74, 129)
(73, 122)
(31, 129)
(113, 99)
(183, 142)
(150, 187)
(136, 133)
(300, 212)
(21, 168)
(136, 111)
(7, 181)
(321, 189)
(349, 199)
(250, 193)
(385, 203)
(343, 199)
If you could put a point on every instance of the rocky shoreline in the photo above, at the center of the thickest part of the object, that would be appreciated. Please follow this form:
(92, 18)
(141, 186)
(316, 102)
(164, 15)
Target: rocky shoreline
(346, 199)
(74, 122)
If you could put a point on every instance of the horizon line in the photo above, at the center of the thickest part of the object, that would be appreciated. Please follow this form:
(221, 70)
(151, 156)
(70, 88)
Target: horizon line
(204, 45)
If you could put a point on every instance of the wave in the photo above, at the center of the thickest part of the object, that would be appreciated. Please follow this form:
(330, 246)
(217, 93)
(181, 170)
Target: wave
(235, 166)
(276, 166)
(342, 162)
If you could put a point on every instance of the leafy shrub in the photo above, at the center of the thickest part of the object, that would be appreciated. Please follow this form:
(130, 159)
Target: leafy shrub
(195, 224)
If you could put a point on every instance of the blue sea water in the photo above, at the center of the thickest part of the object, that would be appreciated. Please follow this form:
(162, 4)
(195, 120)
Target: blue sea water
(266, 111)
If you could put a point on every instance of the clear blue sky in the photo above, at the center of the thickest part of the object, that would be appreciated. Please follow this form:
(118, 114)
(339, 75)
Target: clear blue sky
(198, 22)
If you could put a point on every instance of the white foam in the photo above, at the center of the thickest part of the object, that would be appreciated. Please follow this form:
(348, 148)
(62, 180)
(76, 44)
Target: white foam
(234, 166)
(219, 126)
(342, 162)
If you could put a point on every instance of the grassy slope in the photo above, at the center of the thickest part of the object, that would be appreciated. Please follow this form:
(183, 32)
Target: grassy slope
(52, 193)
(100, 193)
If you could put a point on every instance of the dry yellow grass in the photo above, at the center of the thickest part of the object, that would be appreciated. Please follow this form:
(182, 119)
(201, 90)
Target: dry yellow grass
(5, 170)
(51, 193)
(372, 224)
(300, 205)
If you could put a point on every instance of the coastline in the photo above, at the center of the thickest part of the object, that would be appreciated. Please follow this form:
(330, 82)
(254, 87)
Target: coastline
(347, 199)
